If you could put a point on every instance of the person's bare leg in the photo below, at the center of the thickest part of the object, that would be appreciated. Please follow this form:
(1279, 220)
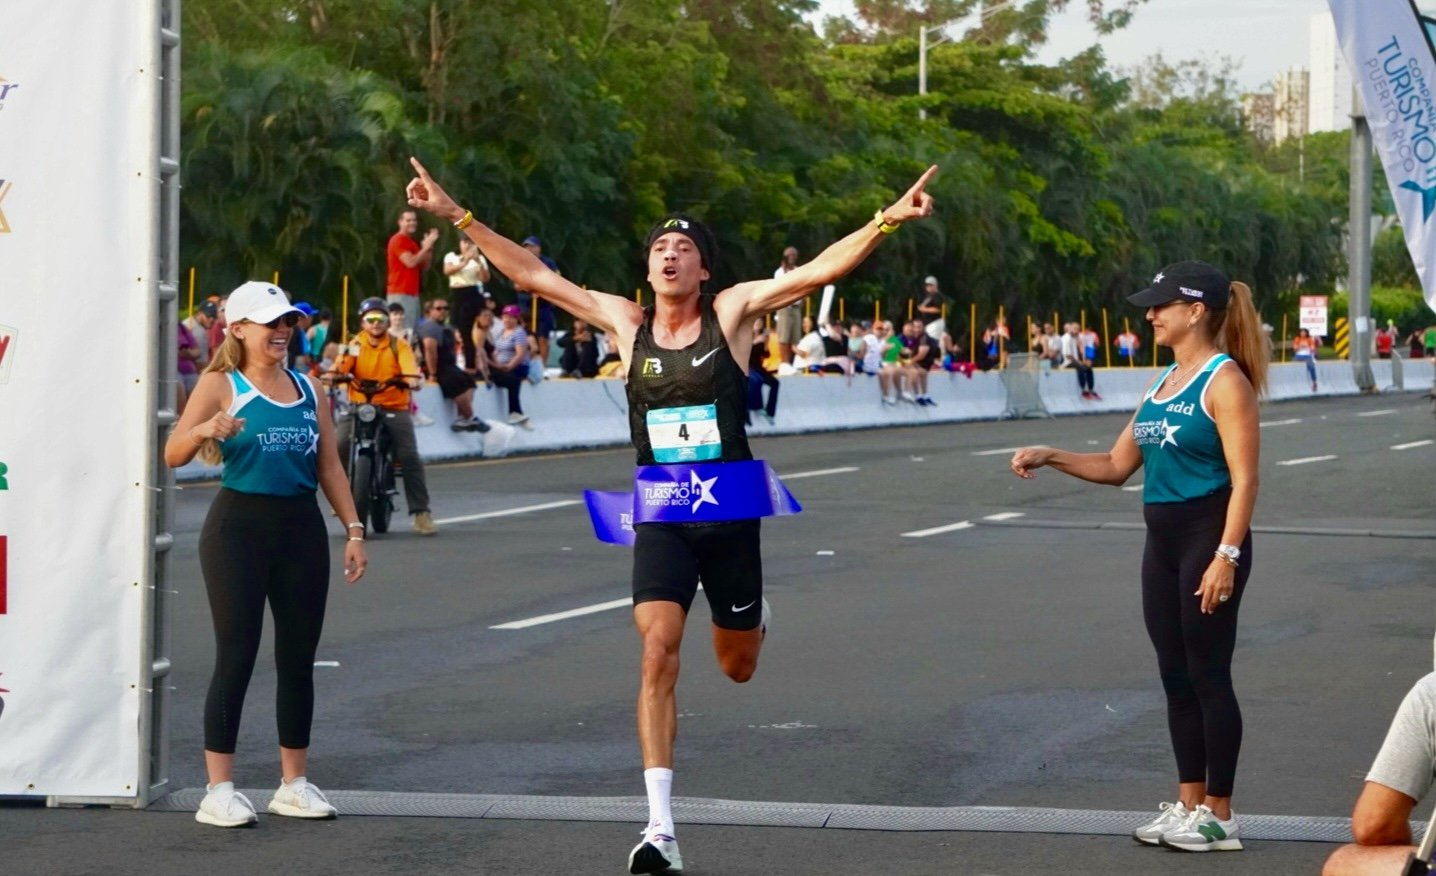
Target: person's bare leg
(219, 766)
(660, 627)
(737, 651)
(293, 762)
(1358, 860)
(1192, 794)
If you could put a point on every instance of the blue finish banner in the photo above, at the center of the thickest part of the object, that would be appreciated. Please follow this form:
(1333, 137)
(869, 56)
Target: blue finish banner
(710, 492)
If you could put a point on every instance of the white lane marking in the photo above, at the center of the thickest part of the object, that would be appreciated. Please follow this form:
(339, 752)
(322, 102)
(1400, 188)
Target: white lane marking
(1412, 444)
(1132, 489)
(1381, 413)
(327, 664)
(1305, 459)
(938, 530)
(1290, 422)
(818, 473)
(564, 615)
(509, 512)
(998, 452)
(1005, 515)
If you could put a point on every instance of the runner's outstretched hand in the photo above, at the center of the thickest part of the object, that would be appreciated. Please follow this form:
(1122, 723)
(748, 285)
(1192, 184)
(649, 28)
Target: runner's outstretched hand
(425, 194)
(915, 203)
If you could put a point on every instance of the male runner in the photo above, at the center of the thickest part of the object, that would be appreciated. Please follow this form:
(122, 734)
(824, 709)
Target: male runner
(686, 356)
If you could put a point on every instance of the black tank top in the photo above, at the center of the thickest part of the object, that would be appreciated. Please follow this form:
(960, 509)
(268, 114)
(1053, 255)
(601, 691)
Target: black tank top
(703, 373)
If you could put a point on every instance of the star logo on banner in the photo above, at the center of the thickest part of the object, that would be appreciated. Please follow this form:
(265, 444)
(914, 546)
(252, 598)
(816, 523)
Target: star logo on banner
(1170, 434)
(313, 442)
(1428, 197)
(704, 490)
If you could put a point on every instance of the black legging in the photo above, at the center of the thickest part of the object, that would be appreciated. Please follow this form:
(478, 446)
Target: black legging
(254, 547)
(513, 381)
(1194, 650)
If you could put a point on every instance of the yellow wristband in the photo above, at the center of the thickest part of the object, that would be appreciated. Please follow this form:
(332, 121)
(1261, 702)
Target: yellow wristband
(466, 221)
(884, 225)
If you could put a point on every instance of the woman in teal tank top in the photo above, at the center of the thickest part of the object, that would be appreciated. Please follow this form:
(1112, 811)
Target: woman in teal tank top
(1196, 434)
(264, 540)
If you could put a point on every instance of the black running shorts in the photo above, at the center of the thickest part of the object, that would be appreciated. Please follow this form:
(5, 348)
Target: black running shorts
(669, 559)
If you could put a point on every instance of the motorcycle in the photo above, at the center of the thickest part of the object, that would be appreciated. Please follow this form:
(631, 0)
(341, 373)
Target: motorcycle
(371, 453)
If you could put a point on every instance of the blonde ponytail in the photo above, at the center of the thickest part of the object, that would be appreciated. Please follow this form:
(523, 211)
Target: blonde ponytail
(227, 358)
(1242, 336)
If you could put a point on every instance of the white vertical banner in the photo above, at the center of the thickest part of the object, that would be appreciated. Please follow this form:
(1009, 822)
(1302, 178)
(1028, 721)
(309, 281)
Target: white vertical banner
(79, 89)
(1387, 44)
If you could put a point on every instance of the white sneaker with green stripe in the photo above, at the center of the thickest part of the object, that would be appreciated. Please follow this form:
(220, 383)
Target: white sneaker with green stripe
(1203, 831)
(1168, 816)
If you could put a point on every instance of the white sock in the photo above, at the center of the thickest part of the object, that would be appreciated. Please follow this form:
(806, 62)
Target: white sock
(659, 782)
(221, 788)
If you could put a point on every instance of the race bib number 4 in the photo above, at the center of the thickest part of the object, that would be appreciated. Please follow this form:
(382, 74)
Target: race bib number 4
(688, 434)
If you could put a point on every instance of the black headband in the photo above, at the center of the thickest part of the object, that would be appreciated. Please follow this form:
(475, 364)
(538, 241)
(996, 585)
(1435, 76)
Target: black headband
(690, 228)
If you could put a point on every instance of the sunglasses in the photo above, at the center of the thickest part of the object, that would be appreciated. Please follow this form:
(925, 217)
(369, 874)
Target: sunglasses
(290, 320)
(375, 320)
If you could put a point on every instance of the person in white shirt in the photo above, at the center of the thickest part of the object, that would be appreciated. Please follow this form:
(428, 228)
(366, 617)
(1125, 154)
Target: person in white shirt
(788, 319)
(468, 272)
(1074, 355)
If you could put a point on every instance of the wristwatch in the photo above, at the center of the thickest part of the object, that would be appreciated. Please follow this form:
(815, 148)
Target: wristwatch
(1230, 551)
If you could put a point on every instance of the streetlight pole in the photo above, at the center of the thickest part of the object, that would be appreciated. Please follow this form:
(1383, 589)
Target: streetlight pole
(923, 44)
(922, 67)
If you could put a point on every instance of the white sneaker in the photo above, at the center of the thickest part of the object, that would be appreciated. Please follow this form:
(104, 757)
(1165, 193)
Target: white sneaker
(516, 418)
(223, 806)
(299, 799)
(1171, 815)
(422, 419)
(909, 397)
(889, 401)
(1203, 831)
(657, 853)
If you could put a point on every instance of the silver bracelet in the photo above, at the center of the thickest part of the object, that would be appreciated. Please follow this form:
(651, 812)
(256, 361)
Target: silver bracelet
(355, 525)
(356, 538)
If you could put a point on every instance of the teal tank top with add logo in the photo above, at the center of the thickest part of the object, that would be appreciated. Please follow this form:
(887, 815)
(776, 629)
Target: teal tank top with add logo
(1181, 449)
(277, 454)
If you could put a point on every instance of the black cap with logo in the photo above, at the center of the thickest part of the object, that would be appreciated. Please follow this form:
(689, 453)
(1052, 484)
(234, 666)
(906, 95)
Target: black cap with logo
(1190, 281)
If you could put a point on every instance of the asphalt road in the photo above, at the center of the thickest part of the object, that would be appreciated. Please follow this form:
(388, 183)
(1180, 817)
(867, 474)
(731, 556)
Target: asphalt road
(997, 664)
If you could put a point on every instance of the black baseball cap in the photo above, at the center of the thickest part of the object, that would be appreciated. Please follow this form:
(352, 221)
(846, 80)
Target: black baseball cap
(1189, 281)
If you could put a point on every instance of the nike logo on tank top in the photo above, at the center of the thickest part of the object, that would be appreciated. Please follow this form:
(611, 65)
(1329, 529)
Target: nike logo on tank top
(1181, 450)
(277, 454)
(686, 405)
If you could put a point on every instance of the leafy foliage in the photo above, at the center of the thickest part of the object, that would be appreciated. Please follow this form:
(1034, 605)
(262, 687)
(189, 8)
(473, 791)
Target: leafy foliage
(1063, 187)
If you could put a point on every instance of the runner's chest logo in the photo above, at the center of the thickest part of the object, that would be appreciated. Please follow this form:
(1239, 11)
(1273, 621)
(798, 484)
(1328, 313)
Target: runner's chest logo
(1163, 432)
(652, 367)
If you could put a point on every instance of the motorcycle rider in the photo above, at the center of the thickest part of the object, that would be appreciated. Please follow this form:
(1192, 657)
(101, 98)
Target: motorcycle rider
(374, 354)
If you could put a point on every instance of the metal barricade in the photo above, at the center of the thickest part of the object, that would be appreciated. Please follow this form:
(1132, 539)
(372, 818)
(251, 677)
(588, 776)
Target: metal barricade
(1020, 378)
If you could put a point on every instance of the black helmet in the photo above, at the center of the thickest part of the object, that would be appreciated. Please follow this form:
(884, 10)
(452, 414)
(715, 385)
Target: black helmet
(369, 304)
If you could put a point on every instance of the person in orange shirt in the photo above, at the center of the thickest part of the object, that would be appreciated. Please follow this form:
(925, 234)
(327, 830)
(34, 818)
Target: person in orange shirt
(374, 354)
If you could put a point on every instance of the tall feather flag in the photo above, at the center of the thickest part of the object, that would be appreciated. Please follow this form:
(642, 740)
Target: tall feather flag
(1388, 46)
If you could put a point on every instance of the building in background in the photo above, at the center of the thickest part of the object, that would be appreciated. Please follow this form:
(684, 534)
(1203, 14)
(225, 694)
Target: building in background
(1329, 91)
(1290, 105)
(1259, 110)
